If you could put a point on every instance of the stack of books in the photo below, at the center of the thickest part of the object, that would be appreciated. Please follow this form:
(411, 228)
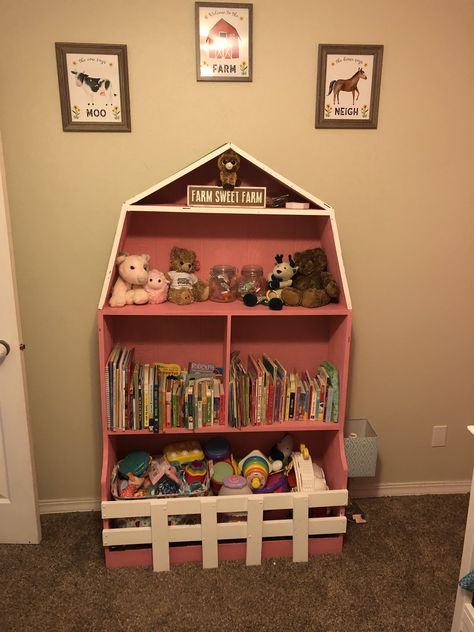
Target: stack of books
(161, 396)
(264, 392)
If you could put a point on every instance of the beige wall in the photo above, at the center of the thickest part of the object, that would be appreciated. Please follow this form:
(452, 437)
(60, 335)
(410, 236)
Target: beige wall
(403, 196)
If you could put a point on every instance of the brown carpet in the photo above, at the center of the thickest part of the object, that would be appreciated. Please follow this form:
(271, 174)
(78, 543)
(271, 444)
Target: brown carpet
(397, 573)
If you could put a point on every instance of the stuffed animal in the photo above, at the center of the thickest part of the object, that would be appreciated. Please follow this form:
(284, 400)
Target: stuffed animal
(280, 453)
(185, 287)
(133, 274)
(229, 164)
(157, 287)
(313, 285)
(282, 274)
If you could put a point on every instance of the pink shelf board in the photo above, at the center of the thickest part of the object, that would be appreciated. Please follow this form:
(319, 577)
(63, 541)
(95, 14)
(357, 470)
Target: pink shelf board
(288, 426)
(210, 308)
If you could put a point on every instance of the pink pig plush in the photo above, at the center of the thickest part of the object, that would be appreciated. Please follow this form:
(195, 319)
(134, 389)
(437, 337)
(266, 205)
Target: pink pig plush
(157, 287)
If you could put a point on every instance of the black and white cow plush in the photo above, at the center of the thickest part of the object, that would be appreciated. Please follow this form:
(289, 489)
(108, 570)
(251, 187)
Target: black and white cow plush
(93, 85)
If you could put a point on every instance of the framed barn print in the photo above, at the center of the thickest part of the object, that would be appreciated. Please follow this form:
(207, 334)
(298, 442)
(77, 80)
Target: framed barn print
(348, 86)
(223, 41)
(93, 87)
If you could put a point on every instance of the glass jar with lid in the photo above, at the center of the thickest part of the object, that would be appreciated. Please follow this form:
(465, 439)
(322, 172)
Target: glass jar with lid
(251, 281)
(223, 283)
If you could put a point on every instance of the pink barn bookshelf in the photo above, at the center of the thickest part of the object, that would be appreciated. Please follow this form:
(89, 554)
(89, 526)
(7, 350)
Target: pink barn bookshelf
(154, 221)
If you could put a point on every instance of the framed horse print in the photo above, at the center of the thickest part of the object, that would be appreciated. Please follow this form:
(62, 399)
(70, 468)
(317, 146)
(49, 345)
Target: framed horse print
(93, 87)
(348, 86)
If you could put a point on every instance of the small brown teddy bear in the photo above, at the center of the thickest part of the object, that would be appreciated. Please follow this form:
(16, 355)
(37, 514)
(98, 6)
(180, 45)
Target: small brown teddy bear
(185, 287)
(313, 285)
(228, 163)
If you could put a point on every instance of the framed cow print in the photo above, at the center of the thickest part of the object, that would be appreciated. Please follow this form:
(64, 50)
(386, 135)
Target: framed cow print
(93, 87)
(348, 86)
(223, 41)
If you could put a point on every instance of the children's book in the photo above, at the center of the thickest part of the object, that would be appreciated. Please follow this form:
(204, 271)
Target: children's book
(255, 372)
(332, 372)
(281, 378)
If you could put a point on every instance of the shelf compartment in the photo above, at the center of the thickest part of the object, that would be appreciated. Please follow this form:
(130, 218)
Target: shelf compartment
(280, 536)
(228, 237)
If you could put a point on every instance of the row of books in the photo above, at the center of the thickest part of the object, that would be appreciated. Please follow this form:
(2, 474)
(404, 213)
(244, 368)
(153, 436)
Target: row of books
(159, 396)
(264, 392)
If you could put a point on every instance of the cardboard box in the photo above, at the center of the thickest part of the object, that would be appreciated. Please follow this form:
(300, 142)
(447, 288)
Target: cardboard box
(360, 443)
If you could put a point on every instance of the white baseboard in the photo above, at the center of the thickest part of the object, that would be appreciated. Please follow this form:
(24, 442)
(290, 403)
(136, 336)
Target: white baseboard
(68, 505)
(372, 490)
(357, 490)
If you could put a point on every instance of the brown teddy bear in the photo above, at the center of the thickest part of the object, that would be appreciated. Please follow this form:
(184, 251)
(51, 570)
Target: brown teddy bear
(185, 287)
(313, 285)
(228, 163)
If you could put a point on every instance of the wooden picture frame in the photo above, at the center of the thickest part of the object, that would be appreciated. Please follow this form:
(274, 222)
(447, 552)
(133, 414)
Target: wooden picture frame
(93, 87)
(223, 41)
(348, 85)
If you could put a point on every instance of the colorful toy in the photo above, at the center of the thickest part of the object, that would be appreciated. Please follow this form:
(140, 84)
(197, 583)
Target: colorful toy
(130, 487)
(183, 452)
(313, 285)
(185, 286)
(277, 483)
(217, 449)
(133, 274)
(195, 472)
(229, 164)
(135, 463)
(220, 471)
(157, 287)
(255, 467)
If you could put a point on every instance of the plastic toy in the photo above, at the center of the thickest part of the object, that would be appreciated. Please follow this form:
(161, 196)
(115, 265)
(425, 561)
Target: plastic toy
(195, 472)
(217, 449)
(183, 452)
(255, 467)
(157, 287)
(133, 274)
(135, 463)
(309, 476)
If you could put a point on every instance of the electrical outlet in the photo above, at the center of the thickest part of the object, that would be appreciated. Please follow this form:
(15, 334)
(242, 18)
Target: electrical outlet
(438, 438)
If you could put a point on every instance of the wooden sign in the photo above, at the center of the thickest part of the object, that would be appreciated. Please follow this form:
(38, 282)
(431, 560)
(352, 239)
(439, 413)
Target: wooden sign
(249, 197)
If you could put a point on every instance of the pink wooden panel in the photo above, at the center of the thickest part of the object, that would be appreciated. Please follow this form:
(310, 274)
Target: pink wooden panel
(224, 238)
(172, 339)
(227, 551)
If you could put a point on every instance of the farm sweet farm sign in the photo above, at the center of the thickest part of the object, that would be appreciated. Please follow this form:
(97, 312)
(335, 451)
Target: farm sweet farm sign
(250, 197)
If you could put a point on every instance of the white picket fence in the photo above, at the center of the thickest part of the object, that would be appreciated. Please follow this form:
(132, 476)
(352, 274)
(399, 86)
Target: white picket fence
(210, 531)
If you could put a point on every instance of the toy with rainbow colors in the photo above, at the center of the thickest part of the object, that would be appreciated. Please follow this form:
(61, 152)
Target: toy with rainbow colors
(255, 467)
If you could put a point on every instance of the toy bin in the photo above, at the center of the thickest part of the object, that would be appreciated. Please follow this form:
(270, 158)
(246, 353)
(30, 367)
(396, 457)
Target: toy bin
(360, 443)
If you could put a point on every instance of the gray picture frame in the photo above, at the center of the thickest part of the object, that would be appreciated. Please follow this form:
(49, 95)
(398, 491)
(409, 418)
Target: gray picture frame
(365, 61)
(108, 106)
